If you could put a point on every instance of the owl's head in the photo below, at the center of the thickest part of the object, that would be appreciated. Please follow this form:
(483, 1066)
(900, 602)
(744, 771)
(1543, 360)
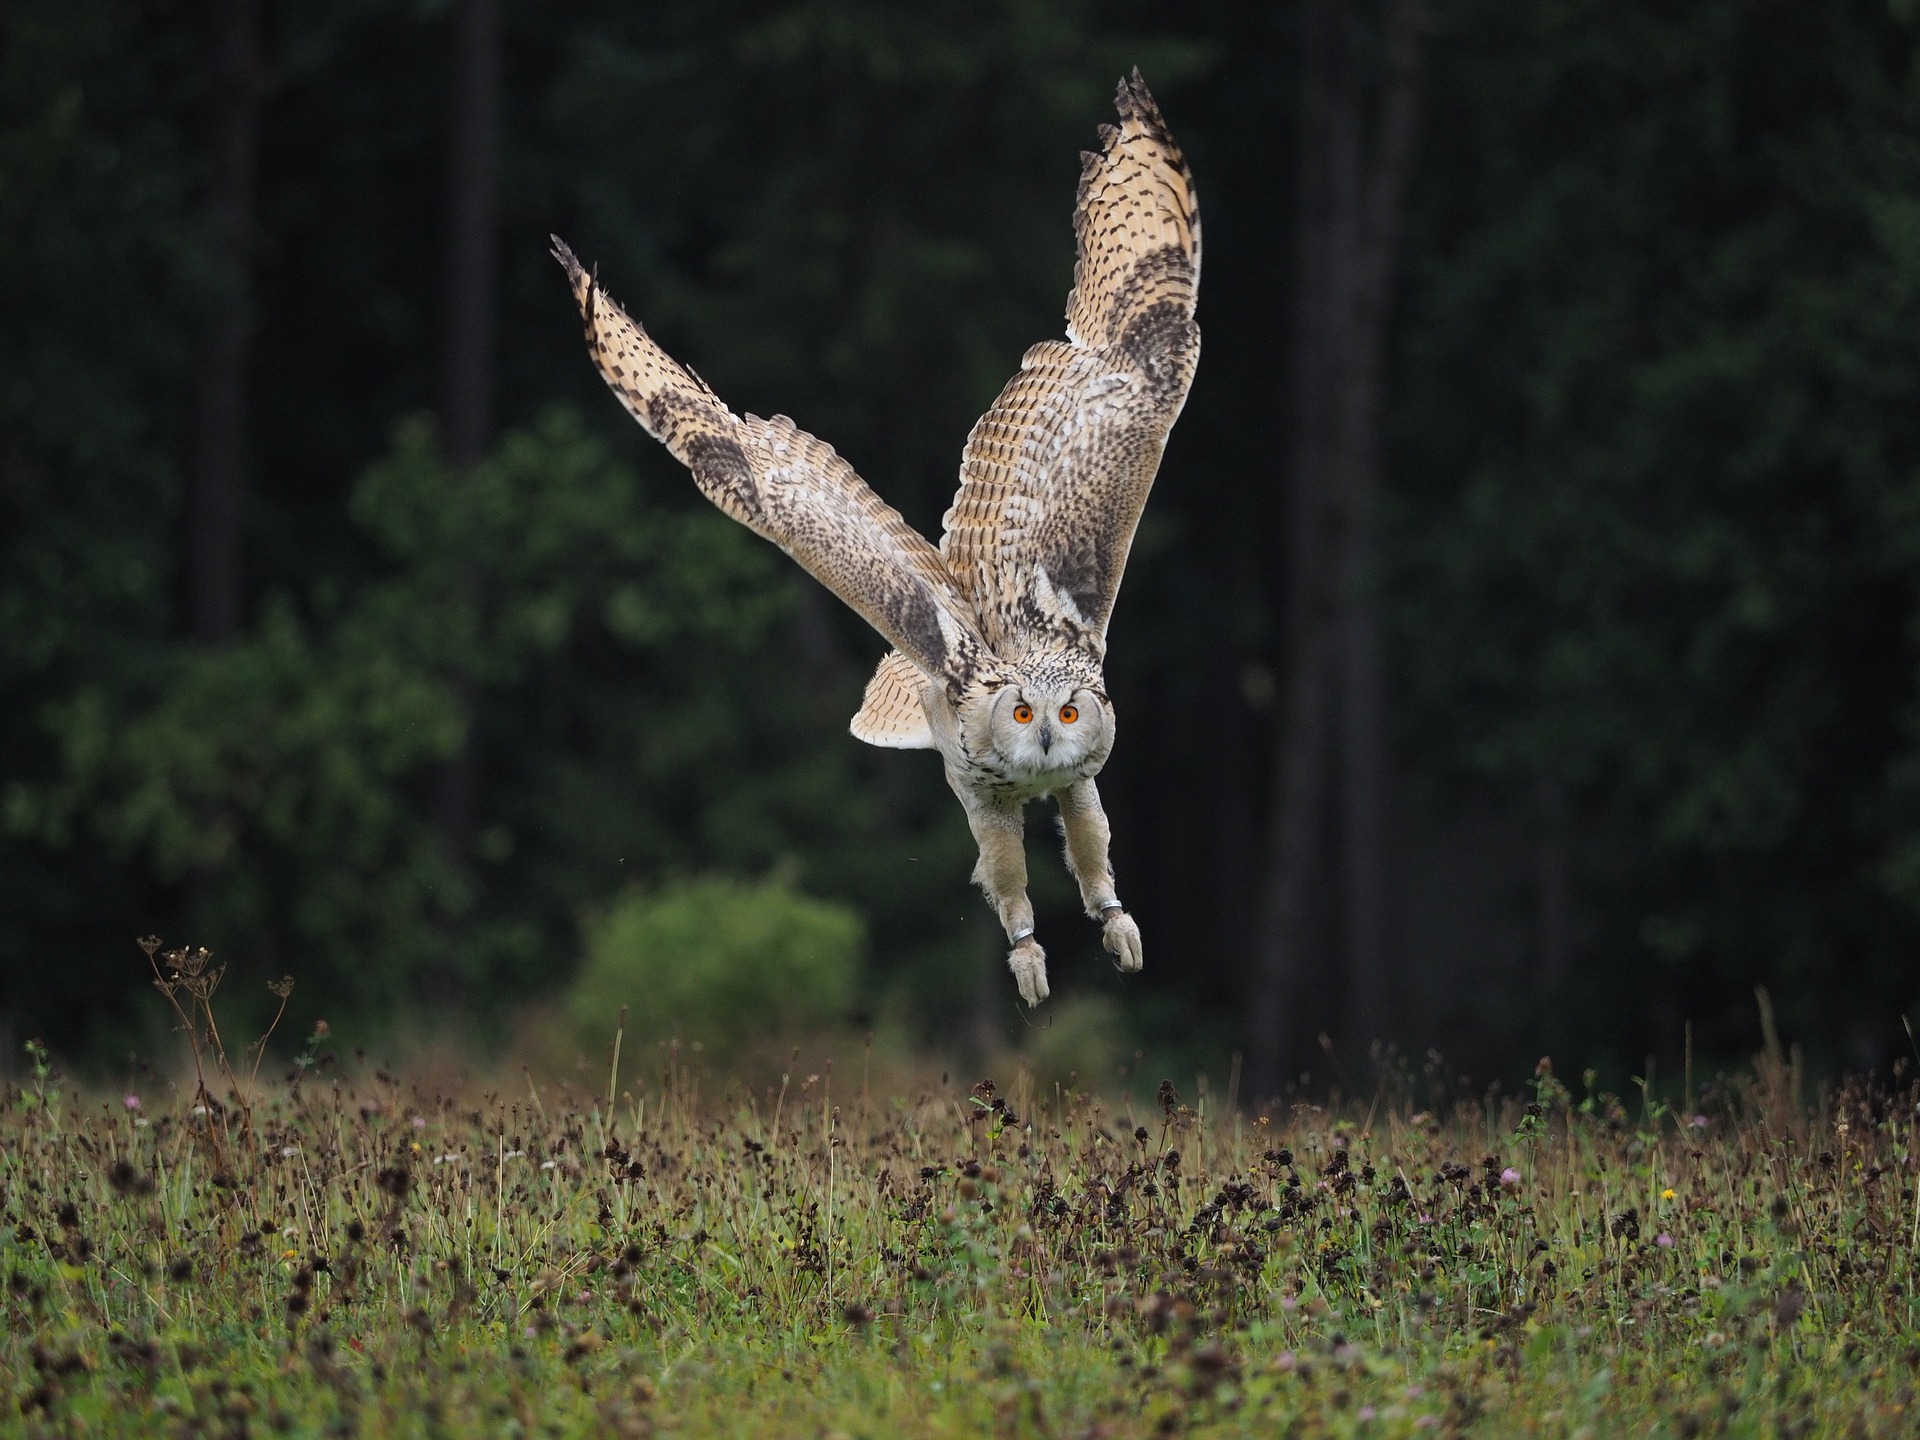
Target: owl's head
(1050, 722)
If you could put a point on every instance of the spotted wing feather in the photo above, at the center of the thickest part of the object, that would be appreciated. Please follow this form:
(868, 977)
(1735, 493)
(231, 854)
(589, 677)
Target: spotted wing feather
(1056, 473)
(786, 485)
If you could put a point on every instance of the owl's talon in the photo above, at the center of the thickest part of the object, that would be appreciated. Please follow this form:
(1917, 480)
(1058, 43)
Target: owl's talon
(1029, 965)
(1122, 939)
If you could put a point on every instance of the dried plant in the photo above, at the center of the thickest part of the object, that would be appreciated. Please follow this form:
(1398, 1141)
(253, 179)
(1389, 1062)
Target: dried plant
(190, 972)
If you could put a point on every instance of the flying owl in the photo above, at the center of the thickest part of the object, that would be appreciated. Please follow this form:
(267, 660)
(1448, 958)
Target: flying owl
(999, 634)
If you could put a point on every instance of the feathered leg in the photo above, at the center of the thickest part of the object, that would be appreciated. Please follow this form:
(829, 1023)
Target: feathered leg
(1084, 823)
(1002, 873)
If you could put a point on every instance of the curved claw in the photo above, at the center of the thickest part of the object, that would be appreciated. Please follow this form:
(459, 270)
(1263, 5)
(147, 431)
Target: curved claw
(1029, 965)
(1122, 939)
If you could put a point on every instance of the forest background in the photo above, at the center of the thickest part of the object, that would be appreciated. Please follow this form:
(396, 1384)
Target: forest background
(1521, 649)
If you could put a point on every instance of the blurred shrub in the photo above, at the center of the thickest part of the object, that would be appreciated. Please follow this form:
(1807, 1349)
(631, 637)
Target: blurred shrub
(718, 960)
(1080, 1044)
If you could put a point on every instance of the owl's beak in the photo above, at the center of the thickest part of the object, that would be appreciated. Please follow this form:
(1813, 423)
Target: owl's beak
(1046, 737)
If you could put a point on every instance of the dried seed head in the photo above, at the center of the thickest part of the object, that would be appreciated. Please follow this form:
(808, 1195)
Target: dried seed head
(188, 962)
(125, 1180)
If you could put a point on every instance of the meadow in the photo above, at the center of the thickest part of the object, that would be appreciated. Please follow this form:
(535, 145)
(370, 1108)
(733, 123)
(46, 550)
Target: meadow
(339, 1249)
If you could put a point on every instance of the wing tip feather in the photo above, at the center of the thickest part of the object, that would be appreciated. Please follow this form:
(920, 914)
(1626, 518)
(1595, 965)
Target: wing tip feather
(1140, 120)
(1140, 117)
(584, 283)
(1135, 102)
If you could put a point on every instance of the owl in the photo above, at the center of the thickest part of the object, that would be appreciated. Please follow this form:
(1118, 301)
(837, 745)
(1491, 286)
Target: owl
(999, 634)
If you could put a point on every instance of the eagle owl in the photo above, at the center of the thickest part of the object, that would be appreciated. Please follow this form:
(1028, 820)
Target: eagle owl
(1000, 633)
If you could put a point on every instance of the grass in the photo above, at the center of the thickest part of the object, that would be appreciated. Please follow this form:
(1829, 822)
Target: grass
(348, 1253)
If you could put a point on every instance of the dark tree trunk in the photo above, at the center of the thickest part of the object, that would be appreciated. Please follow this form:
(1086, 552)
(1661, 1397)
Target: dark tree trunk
(1349, 195)
(1553, 885)
(1297, 862)
(216, 502)
(1366, 761)
(472, 233)
(466, 406)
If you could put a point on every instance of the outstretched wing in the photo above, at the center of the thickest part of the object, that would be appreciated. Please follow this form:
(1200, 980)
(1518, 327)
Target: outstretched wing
(795, 490)
(1055, 475)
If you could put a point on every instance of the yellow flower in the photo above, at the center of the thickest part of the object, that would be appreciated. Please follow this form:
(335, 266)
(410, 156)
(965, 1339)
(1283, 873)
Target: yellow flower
(1666, 1194)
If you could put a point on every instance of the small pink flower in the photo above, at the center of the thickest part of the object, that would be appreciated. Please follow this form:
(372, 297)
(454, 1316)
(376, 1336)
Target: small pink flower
(1425, 1220)
(1697, 1122)
(132, 1102)
(1365, 1412)
(419, 1122)
(1664, 1241)
(1510, 1177)
(1285, 1361)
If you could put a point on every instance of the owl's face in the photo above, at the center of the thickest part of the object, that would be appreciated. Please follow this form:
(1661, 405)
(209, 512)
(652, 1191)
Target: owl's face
(1041, 726)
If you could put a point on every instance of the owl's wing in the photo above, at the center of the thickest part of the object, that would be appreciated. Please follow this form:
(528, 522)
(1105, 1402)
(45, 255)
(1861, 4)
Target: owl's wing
(1055, 475)
(793, 489)
(891, 714)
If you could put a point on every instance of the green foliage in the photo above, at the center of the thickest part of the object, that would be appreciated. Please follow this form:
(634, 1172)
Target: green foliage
(97, 288)
(718, 960)
(41, 1093)
(354, 1252)
(292, 772)
(1651, 556)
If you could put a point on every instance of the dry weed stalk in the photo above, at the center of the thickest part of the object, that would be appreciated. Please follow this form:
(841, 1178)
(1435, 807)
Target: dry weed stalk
(190, 970)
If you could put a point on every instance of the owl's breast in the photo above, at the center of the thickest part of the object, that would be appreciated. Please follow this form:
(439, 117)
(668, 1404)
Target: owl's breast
(987, 772)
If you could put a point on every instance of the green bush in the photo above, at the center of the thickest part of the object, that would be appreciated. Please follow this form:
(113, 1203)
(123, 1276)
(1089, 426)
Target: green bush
(719, 960)
(1080, 1044)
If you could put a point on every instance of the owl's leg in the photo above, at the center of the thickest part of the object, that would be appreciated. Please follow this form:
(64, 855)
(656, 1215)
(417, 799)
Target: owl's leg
(1002, 873)
(1088, 835)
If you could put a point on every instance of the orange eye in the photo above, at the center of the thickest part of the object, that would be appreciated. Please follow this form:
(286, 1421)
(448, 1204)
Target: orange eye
(1068, 714)
(1023, 713)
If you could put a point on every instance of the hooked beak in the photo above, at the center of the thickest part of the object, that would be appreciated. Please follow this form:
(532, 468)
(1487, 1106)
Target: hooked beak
(1046, 738)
